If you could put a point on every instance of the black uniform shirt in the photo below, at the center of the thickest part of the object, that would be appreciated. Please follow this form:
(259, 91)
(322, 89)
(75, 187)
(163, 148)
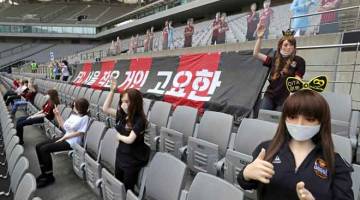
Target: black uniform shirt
(137, 153)
(318, 179)
(277, 88)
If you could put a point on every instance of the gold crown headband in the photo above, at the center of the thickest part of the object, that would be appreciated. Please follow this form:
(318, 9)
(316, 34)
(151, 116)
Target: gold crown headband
(317, 84)
(288, 33)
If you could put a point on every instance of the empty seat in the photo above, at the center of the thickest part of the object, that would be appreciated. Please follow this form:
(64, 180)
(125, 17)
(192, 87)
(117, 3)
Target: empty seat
(92, 141)
(26, 188)
(181, 126)
(356, 180)
(158, 117)
(162, 167)
(92, 159)
(341, 115)
(342, 146)
(250, 134)
(88, 94)
(94, 106)
(75, 94)
(209, 146)
(111, 187)
(209, 187)
(22, 165)
(147, 105)
(101, 116)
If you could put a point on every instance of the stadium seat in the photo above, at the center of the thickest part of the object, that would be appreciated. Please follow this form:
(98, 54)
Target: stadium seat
(147, 105)
(162, 167)
(12, 160)
(111, 188)
(250, 134)
(209, 145)
(101, 116)
(92, 159)
(356, 181)
(92, 141)
(26, 188)
(21, 166)
(342, 146)
(94, 106)
(342, 116)
(209, 187)
(181, 126)
(114, 104)
(158, 117)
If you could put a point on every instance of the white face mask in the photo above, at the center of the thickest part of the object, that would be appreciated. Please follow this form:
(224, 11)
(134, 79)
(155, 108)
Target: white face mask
(47, 97)
(284, 54)
(301, 132)
(125, 107)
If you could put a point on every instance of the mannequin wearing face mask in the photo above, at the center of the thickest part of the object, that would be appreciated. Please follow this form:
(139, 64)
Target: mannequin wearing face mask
(52, 99)
(300, 162)
(74, 126)
(285, 63)
(132, 153)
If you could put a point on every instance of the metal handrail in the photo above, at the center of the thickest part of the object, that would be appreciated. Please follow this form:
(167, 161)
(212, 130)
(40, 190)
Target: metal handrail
(323, 12)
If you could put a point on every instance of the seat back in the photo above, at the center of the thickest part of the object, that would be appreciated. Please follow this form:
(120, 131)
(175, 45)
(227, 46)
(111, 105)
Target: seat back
(342, 146)
(147, 105)
(159, 114)
(209, 187)
(356, 180)
(165, 167)
(88, 94)
(108, 148)
(251, 133)
(26, 187)
(184, 120)
(93, 138)
(14, 157)
(20, 169)
(340, 105)
(215, 127)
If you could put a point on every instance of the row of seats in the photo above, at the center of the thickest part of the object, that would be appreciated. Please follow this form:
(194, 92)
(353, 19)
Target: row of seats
(209, 146)
(98, 155)
(15, 165)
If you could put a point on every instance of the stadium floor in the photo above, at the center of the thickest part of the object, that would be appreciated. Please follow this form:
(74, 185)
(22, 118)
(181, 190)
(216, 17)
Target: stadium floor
(67, 185)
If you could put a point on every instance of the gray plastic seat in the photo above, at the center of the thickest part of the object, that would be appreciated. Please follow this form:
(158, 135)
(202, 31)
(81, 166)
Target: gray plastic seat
(22, 165)
(69, 94)
(163, 167)
(101, 116)
(269, 115)
(92, 159)
(94, 103)
(75, 94)
(209, 187)
(92, 141)
(111, 187)
(12, 159)
(88, 94)
(356, 180)
(147, 105)
(181, 126)
(250, 134)
(342, 146)
(158, 117)
(209, 146)
(26, 188)
(343, 119)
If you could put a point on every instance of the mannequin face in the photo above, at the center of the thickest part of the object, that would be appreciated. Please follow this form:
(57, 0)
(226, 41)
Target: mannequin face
(253, 7)
(287, 47)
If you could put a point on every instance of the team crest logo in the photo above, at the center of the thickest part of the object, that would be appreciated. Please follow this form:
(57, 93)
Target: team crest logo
(320, 168)
(293, 64)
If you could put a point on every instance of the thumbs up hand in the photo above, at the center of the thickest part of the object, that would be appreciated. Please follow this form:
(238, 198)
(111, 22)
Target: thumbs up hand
(302, 192)
(259, 169)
